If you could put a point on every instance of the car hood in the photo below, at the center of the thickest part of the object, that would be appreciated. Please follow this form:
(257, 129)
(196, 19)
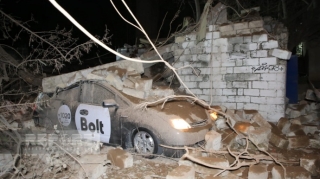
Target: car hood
(190, 112)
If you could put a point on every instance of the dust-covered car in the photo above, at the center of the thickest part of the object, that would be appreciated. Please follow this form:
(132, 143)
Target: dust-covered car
(100, 112)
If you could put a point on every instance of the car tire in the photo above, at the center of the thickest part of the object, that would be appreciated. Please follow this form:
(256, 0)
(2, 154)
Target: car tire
(146, 143)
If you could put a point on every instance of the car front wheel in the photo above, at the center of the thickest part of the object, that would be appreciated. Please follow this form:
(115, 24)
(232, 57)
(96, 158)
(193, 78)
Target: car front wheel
(145, 143)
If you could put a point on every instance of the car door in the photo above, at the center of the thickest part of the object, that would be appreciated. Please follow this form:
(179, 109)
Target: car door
(93, 121)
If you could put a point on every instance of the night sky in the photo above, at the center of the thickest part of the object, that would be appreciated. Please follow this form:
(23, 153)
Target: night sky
(94, 15)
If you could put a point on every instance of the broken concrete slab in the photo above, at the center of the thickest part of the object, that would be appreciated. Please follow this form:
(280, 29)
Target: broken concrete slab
(50, 84)
(213, 141)
(258, 171)
(182, 172)
(120, 158)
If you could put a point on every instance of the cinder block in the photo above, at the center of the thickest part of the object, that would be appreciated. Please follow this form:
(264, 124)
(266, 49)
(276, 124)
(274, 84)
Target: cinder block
(260, 84)
(241, 77)
(242, 99)
(251, 92)
(244, 32)
(209, 35)
(278, 140)
(282, 54)
(276, 100)
(239, 84)
(247, 39)
(188, 44)
(226, 48)
(213, 27)
(244, 69)
(257, 23)
(269, 61)
(213, 140)
(236, 48)
(241, 25)
(162, 92)
(248, 47)
(215, 49)
(258, 172)
(260, 38)
(229, 91)
(270, 44)
(277, 172)
(259, 100)
(215, 35)
(228, 33)
(220, 41)
(251, 61)
(269, 93)
(268, 77)
(120, 158)
(238, 55)
(258, 30)
(297, 172)
(226, 28)
(259, 53)
(235, 40)
(182, 172)
(251, 106)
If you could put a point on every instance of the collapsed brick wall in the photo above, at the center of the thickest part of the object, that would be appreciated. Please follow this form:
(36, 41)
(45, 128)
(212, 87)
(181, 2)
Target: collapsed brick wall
(239, 66)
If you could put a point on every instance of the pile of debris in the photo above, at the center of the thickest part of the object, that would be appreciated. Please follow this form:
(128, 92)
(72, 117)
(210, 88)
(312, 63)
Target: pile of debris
(123, 75)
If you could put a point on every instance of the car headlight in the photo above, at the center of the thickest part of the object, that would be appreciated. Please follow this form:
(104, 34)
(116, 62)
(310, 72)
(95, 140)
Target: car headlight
(180, 124)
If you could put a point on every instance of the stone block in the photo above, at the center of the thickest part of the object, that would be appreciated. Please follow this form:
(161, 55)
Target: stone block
(213, 140)
(255, 24)
(241, 25)
(258, 172)
(270, 44)
(182, 172)
(260, 38)
(259, 53)
(226, 28)
(298, 142)
(135, 93)
(248, 47)
(269, 61)
(311, 163)
(260, 135)
(282, 54)
(244, 32)
(215, 35)
(120, 158)
(213, 27)
(235, 40)
(261, 121)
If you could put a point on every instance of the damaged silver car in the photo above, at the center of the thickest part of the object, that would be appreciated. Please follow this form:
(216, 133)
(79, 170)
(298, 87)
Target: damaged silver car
(98, 111)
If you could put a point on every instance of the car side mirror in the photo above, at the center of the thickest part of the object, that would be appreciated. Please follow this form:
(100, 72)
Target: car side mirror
(110, 104)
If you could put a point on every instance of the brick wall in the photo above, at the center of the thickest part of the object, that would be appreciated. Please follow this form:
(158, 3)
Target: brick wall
(240, 67)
